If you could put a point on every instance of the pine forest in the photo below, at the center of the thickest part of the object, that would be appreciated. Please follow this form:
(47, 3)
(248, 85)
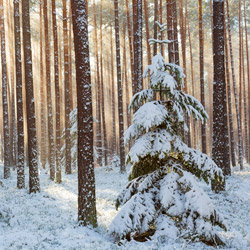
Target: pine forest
(124, 124)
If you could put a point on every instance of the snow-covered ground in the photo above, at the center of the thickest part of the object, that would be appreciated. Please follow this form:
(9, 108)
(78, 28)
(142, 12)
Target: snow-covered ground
(48, 220)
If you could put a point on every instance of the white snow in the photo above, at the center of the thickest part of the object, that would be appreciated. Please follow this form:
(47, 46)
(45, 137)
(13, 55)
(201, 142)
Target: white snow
(48, 220)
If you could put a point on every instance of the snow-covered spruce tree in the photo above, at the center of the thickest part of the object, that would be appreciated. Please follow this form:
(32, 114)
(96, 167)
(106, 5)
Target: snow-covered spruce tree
(163, 197)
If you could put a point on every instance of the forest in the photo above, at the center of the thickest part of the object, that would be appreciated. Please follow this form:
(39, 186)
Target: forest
(125, 124)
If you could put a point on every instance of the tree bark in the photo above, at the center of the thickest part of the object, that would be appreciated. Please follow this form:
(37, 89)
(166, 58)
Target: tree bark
(235, 89)
(19, 98)
(220, 147)
(86, 175)
(57, 94)
(119, 89)
(66, 90)
(51, 149)
(34, 185)
(6, 132)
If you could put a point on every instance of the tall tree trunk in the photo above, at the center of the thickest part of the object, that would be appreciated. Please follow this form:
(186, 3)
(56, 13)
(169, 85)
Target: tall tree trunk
(155, 25)
(98, 110)
(43, 101)
(57, 95)
(229, 102)
(119, 88)
(105, 147)
(6, 134)
(113, 92)
(147, 31)
(51, 148)
(235, 89)
(66, 91)
(86, 175)
(201, 47)
(248, 78)
(175, 33)
(19, 98)
(220, 148)
(130, 41)
(170, 30)
(34, 185)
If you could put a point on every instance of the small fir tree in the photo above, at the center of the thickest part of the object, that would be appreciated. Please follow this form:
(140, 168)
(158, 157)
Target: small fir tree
(163, 197)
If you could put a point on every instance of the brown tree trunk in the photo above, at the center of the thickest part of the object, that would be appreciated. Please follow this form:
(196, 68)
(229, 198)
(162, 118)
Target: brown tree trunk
(86, 175)
(57, 95)
(220, 148)
(43, 101)
(34, 185)
(229, 102)
(19, 98)
(105, 147)
(66, 90)
(147, 31)
(155, 26)
(202, 88)
(170, 31)
(98, 100)
(51, 149)
(235, 89)
(113, 93)
(6, 132)
(119, 88)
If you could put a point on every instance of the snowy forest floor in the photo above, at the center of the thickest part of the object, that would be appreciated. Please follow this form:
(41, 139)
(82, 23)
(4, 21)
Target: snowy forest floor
(48, 220)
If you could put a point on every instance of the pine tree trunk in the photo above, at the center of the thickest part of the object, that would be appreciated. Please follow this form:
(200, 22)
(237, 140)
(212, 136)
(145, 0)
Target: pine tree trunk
(98, 110)
(248, 78)
(201, 46)
(34, 185)
(175, 33)
(43, 101)
(220, 147)
(235, 89)
(155, 26)
(19, 98)
(105, 147)
(147, 31)
(51, 153)
(229, 102)
(130, 42)
(119, 88)
(170, 30)
(86, 175)
(66, 91)
(6, 132)
(57, 95)
(113, 94)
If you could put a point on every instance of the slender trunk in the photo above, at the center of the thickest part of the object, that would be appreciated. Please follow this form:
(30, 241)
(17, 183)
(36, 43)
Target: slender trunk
(235, 89)
(113, 92)
(147, 31)
(175, 33)
(49, 98)
(229, 102)
(130, 41)
(220, 148)
(66, 90)
(19, 98)
(155, 25)
(42, 97)
(6, 132)
(57, 94)
(105, 147)
(86, 175)
(248, 78)
(201, 47)
(119, 88)
(34, 185)
(170, 31)
(98, 99)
